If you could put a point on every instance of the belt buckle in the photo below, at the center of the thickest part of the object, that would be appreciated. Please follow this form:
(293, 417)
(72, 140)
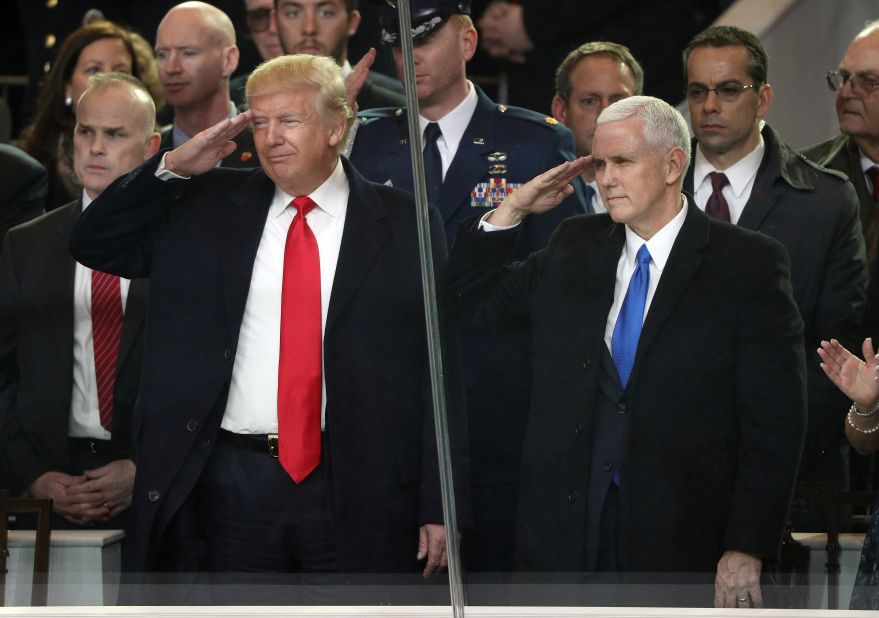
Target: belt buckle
(272, 440)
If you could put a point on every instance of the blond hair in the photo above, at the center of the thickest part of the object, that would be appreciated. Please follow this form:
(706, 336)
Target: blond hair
(298, 71)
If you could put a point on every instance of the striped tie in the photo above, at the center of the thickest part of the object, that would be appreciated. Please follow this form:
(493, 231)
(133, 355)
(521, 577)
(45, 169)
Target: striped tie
(106, 333)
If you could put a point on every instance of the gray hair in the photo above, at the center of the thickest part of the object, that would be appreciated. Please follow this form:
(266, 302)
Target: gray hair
(664, 127)
(869, 28)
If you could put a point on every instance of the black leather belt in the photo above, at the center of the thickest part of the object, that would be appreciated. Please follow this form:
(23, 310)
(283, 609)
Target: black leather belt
(96, 446)
(260, 442)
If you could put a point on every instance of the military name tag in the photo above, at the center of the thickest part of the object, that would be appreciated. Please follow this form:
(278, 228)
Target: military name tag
(491, 193)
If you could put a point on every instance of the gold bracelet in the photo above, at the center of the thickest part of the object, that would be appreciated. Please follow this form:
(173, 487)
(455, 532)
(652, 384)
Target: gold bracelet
(851, 423)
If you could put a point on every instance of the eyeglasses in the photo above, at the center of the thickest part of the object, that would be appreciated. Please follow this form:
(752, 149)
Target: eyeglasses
(864, 83)
(258, 20)
(726, 92)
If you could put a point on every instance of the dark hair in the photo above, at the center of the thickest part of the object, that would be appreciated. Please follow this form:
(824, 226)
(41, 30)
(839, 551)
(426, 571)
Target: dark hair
(727, 36)
(54, 119)
(596, 48)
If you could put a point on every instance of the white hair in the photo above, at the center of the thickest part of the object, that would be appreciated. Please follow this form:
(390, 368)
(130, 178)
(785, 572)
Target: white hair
(664, 127)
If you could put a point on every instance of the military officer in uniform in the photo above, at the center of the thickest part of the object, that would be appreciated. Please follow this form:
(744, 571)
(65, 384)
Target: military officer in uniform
(476, 152)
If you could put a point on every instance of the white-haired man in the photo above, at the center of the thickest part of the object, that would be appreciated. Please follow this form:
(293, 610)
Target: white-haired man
(668, 408)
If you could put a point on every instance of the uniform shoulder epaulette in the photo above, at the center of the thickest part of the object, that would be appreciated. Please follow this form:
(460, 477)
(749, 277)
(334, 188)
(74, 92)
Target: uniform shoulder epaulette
(520, 113)
(378, 113)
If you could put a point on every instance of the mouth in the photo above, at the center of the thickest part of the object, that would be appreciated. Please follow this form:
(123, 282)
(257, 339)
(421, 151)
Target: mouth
(712, 127)
(309, 48)
(174, 86)
(95, 169)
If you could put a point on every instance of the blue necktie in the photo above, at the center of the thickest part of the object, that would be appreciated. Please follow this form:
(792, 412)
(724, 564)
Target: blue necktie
(627, 330)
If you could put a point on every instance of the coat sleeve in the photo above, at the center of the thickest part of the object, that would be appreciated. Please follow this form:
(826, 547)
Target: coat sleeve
(770, 405)
(116, 233)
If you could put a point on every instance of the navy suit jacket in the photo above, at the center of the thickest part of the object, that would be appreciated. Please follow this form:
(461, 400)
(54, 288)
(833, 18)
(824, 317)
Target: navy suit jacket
(197, 240)
(500, 143)
(715, 399)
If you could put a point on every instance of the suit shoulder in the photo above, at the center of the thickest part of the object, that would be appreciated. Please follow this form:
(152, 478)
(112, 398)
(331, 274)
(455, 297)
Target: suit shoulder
(46, 223)
(822, 152)
(821, 173)
(376, 115)
(528, 118)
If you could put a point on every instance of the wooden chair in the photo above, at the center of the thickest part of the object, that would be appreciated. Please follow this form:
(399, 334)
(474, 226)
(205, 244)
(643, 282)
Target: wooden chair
(43, 509)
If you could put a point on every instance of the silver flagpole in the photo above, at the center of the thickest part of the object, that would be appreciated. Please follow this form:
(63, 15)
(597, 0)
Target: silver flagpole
(434, 346)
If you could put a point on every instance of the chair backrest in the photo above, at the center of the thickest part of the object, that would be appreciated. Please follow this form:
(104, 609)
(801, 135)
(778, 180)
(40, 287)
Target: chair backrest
(43, 509)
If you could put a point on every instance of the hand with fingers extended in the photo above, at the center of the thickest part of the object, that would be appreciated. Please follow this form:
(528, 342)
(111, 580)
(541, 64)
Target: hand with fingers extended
(114, 483)
(205, 150)
(737, 583)
(357, 77)
(853, 376)
(539, 194)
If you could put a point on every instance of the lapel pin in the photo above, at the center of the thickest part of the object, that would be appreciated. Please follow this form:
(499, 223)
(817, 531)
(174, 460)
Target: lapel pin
(496, 157)
(479, 141)
(246, 156)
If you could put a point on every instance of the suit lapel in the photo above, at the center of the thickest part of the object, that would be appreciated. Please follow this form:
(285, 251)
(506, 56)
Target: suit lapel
(469, 165)
(683, 262)
(362, 238)
(62, 279)
(132, 322)
(605, 255)
(252, 203)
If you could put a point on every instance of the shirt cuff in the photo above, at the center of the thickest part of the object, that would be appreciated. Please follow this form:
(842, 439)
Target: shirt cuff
(485, 226)
(166, 174)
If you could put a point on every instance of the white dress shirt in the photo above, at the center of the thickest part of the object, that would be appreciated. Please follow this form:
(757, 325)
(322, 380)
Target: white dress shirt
(85, 417)
(659, 247)
(741, 176)
(252, 406)
(452, 125)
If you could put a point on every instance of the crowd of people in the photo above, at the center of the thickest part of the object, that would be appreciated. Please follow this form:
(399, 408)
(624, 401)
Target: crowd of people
(212, 325)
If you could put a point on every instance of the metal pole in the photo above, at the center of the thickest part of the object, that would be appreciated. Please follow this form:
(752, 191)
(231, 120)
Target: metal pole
(434, 345)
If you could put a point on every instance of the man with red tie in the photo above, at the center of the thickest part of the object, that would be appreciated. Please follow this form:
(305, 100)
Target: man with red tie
(71, 337)
(285, 403)
(742, 172)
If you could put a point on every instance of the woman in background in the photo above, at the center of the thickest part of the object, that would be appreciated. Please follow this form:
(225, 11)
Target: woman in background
(859, 380)
(94, 48)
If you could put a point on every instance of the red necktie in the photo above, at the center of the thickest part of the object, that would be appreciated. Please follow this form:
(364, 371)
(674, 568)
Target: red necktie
(873, 173)
(106, 333)
(299, 367)
(716, 205)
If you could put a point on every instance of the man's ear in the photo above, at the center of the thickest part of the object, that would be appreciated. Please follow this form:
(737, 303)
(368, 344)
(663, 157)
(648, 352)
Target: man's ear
(675, 166)
(560, 110)
(152, 145)
(230, 59)
(353, 22)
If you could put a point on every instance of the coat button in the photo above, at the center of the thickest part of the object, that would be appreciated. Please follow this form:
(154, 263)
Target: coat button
(607, 467)
(572, 497)
(621, 408)
(227, 353)
(578, 429)
(192, 425)
(207, 443)
(154, 495)
(587, 364)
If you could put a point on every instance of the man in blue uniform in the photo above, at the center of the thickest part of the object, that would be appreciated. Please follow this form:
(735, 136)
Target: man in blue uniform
(476, 152)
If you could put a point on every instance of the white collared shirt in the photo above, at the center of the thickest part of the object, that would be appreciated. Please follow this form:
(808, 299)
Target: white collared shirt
(452, 125)
(85, 416)
(252, 406)
(659, 246)
(866, 164)
(741, 176)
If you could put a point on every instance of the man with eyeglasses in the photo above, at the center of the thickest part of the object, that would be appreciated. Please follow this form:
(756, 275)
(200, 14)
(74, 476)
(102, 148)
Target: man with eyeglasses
(855, 151)
(742, 172)
(589, 79)
(258, 15)
(323, 27)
